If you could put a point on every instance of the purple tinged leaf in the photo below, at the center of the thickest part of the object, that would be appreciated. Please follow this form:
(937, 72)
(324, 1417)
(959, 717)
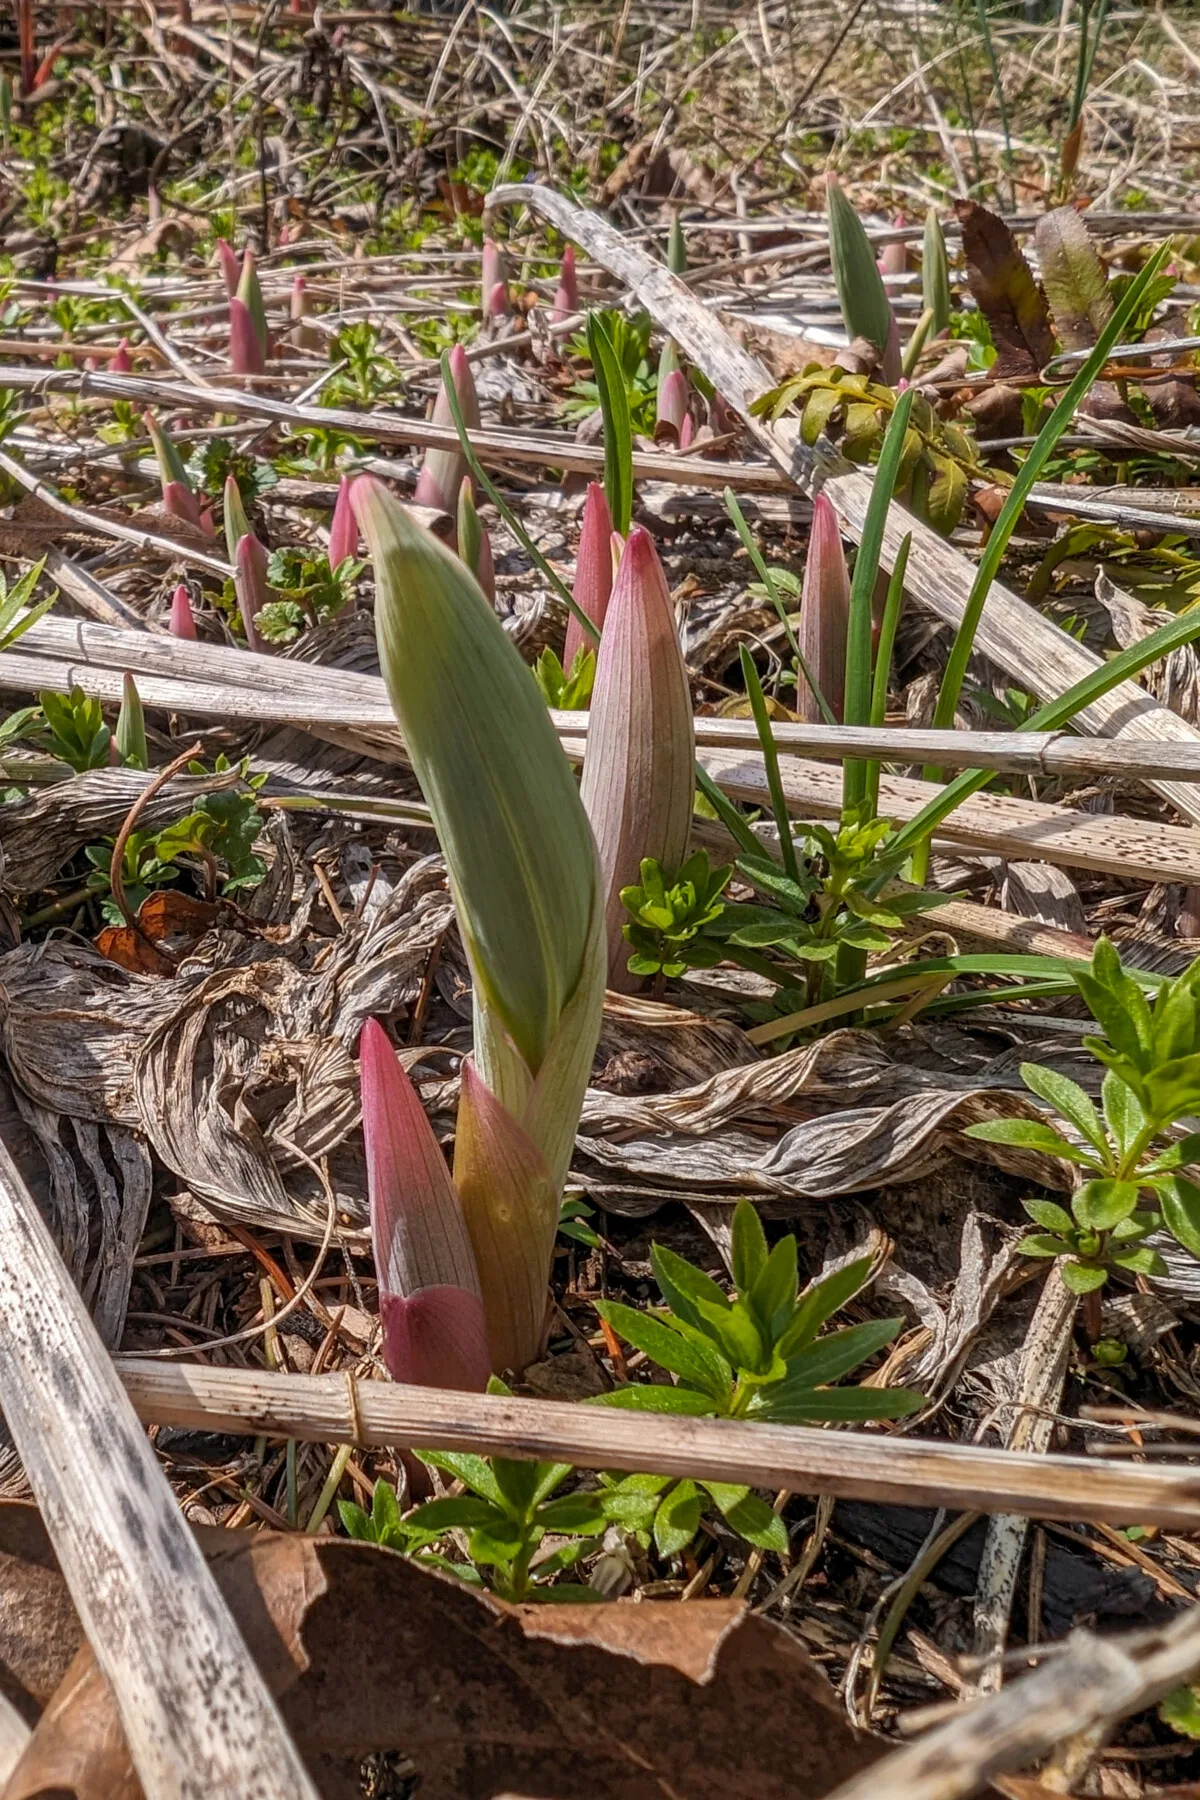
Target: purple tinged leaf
(237, 525)
(119, 363)
(673, 397)
(593, 572)
(824, 615)
(249, 292)
(430, 1303)
(245, 350)
(687, 432)
(343, 532)
(493, 287)
(231, 266)
(179, 500)
(638, 770)
(566, 298)
(443, 470)
(182, 623)
(250, 585)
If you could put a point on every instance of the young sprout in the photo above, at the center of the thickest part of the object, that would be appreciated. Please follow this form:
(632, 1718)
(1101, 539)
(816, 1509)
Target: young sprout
(343, 532)
(443, 470)
(182, 623)
(638, 771)
(177, 495)
(593, 572)
(866, 310)
(566, 296)
(824, 615)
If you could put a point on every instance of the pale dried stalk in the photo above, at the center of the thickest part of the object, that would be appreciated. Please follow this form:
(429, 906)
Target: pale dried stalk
(861, 1465)
(196, 1713)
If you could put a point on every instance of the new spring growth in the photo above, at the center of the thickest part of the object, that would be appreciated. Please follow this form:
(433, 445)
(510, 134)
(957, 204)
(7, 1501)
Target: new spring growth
(177, 496)
(474, 545)
(306, 336)
(119, 362)
(935, 274)
(674, 396)
(494, 285)
(566, 295)
(343, 531)
(245, 351)
(523, 872)
(638, 770)
(593, 573)
(824, 616)
(132, 749)
(676, 247)
(249, 292)
(893, 258)
(231, 266)
(866, 310)
(250, 585)
(182, 624)
(443, 470)
(430, 1304)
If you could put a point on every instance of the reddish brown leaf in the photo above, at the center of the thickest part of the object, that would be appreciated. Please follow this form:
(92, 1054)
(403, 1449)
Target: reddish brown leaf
(632, 1702)
(1006, 293)
(162, 916)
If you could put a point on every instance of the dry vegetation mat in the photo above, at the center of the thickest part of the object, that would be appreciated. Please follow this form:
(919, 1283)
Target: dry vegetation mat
(599, 900)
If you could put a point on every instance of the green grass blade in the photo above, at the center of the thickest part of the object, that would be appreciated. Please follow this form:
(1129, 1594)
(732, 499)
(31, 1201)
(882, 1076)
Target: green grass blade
(1053, 716)
(1031, 468)
(767, 577)
(883, 659)
(857, 708)
(766, 738)
(618, 432)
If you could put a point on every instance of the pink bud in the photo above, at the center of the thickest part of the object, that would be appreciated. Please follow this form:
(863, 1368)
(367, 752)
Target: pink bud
(687, 432)
(182, 623)
(430, 1305)
(673, 397)
(494, 288)
(245, 350)
(638, 770)
(119, 362)
(306, 336)
(443, 470)
(593, 572)
(231, 266)
(250, 585)
(824, 615)
(179, 500)
(343, 532)
(566, 298)
(207, 523)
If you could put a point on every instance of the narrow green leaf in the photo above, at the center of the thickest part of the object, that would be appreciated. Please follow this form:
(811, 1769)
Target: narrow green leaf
(1180, 1202)
(618, 432)
(1099, 1205)
(749, 1246)
(698, 1366)
(837, 1354)
(1068, 1098)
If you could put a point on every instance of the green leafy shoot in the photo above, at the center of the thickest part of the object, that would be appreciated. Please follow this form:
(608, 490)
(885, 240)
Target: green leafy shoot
(74, 731)
(757, 1355)
(883, 659)
(309, 593)
(565, 691)
(1132, 1181)
(666, 1512)
(670, 917)
(618, 429)
(14, 600)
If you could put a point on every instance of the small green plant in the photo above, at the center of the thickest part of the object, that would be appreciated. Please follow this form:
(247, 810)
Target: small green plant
(630, 341)
(757, 1355)
(1132, 1183)
(309, 593)
(673, 921)
(562, 690)
(507, 1512)
(573, 1216)
(666, 1512)
(215, 459)
(369, 374)
(386, 1526)
(74, 731)
(219, 834)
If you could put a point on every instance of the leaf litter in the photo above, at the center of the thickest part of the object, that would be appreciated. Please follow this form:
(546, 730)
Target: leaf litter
(180, 1073)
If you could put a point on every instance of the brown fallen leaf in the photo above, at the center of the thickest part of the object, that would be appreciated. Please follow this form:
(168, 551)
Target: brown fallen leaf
(163, 915)
(652, 1702)
(1006, 293)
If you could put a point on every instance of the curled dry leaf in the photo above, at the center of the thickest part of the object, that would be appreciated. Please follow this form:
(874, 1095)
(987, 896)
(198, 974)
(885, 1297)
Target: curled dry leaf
(483, 1698)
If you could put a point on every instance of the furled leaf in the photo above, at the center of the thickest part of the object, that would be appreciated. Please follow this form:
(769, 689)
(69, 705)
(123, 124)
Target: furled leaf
(866, 311)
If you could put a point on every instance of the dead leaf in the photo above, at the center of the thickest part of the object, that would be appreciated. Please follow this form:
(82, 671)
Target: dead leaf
(171, 232)
(1006, 293)
(164, 916)
(1073, 277)
(649, 1702)
(1173, 399)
